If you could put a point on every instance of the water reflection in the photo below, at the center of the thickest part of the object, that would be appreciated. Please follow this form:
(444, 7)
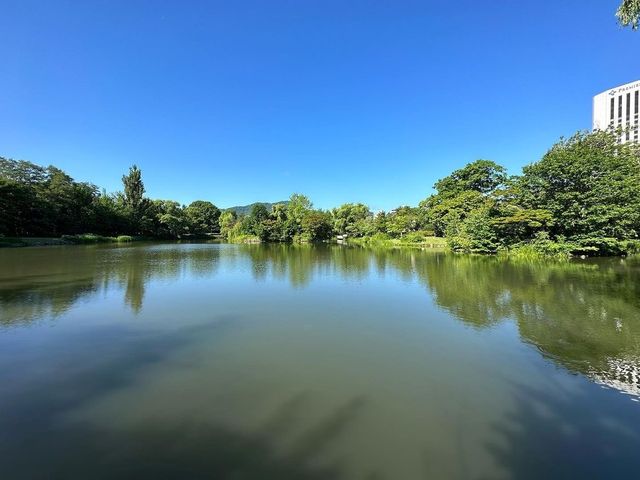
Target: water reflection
(584, 315)
(315, 362)
(42, 283)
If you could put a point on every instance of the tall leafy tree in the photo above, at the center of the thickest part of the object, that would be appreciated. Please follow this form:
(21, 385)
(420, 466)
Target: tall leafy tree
(482, 176)
(459, 193)
(299, 205)
(133, 188)
(227, 220)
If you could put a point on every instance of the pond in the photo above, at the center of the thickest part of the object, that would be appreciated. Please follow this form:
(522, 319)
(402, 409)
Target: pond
(210, 360)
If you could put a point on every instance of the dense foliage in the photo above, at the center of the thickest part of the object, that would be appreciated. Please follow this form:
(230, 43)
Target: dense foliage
(40, 201)
(582, 197)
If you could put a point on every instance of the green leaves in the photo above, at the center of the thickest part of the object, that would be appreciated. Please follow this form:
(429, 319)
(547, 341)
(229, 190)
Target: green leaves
(590, 184)
(629, 13)
(203, 217)
(482, 176)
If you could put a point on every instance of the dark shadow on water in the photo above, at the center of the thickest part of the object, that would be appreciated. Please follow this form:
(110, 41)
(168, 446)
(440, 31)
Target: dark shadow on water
(185, 451)
(332, 427)
(37, 441)
(165, 450)
(588, 433)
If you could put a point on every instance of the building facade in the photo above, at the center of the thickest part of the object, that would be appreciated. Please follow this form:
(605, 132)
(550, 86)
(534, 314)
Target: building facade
(617, 109)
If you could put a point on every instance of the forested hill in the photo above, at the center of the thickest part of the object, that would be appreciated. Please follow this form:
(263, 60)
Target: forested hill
(246, 209)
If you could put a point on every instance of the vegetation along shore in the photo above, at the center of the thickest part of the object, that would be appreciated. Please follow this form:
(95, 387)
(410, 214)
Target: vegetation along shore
(581, 198)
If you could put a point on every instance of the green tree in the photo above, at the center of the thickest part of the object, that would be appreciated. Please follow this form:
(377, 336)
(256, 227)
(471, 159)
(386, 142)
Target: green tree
(277, 227)
(16, 207)
(446, 211)
(171, 217)
(299, 205)
(591, 186)
(402, 220)
(22, 172)
(475, 234)
(133, 188)
(350, 219)
(227, 220)
(203, 217)
(629, 13)
(482, 176)
(71, 203)
(513, 222)
(460, 193)
(110, 216)
(316, 226)
(257, 216)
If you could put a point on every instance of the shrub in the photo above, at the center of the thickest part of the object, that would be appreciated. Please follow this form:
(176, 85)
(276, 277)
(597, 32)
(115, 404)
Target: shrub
(542, 246)
(599, 246)
(632, 247)
(87, 238)
(475, 234)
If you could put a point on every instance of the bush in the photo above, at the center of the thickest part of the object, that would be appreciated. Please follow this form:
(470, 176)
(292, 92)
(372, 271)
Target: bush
(632, 247)
(87, 238)
(543, 247)
(599, 246)
(124, 238)
(475, 234)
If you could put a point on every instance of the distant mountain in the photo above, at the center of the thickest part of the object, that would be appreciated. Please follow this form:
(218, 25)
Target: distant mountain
(246, 209)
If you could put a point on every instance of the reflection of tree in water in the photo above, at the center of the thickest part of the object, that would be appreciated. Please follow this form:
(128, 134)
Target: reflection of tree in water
(295, 263)
(45, 283)
(585, 316)
(299, 264)
(40, 283)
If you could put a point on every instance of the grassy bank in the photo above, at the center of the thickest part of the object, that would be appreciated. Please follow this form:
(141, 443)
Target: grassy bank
(82, 239)
(91, 238)
(409, 240)
(538, 249)
(243, 238)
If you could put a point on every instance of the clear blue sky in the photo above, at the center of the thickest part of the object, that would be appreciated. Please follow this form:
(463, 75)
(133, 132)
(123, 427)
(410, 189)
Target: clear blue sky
(243, 101)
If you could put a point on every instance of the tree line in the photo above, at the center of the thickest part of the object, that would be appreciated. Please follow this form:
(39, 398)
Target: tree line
(40, 201)
(582, 197)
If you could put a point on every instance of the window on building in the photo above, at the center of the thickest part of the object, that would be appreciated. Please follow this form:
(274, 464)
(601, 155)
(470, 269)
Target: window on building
(637, 92)
(620, 106)
(628, 106)
(613, 101)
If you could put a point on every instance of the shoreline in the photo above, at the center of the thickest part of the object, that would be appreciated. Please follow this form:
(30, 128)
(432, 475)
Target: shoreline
(431, 243)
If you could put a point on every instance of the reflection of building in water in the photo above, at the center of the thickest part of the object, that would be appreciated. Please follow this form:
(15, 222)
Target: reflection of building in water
(622, 375)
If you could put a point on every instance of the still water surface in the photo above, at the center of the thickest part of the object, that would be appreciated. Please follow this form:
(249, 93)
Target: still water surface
(224, 361)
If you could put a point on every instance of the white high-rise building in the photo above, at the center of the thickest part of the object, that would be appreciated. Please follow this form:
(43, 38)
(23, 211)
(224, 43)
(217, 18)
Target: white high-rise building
(617, 108)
